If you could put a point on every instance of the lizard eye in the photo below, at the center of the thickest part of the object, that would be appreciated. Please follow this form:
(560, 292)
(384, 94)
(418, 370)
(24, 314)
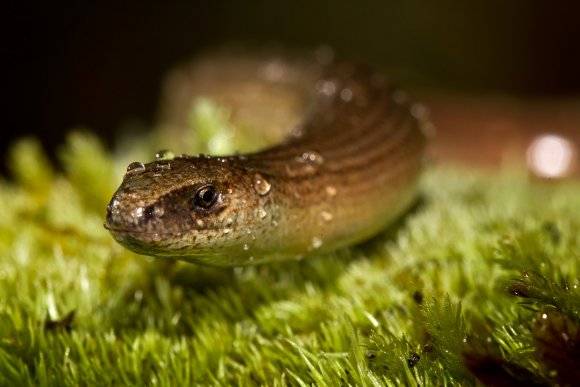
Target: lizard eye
(205, 197)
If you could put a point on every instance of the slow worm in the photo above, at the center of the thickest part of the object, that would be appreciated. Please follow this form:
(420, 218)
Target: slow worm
(346, 171)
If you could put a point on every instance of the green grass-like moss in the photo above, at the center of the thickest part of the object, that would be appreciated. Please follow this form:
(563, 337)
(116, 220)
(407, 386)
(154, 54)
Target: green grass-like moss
(479, 284)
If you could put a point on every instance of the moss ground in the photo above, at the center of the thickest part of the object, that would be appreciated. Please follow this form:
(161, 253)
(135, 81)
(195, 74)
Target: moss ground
(479, 284)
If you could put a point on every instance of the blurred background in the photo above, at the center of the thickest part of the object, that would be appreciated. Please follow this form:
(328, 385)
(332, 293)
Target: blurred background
(100, 65)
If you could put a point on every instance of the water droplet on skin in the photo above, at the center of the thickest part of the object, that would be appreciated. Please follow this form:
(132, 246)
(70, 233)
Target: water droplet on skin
(158, 211)
(330, 191)
(326, 216)
(316, 242)
(307, 161)
(419, 111)
(246, 247)
(262, 213)
(261, 185)
(164, 155)
(114, 207)
(137, 213)
(326, 87)
(251, 234)
(310, 157)
(135, 168)
(346, 94)
(162, 165)
(156, 237)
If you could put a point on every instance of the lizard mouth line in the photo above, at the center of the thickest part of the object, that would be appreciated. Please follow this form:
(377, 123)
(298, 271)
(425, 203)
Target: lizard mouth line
(113, 229)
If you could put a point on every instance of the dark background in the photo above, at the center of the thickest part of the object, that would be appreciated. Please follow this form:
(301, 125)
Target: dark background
(100, 65)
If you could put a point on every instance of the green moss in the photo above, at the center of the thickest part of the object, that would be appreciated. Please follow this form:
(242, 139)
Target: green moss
(480, 282)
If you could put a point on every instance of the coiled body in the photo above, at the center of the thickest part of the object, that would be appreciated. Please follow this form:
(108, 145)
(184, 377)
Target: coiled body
(345, 171)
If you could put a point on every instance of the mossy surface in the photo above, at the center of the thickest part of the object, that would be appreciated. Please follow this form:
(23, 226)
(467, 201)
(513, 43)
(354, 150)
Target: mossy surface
(479, 284)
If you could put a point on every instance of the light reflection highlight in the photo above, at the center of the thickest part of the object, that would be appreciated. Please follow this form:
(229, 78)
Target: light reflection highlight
(551, 156)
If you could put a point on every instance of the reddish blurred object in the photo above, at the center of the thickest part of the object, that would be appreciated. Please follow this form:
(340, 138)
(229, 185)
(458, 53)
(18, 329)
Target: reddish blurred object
(543, 136)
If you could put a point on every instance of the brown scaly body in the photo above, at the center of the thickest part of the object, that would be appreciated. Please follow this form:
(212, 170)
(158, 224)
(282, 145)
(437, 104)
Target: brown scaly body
(345, 172)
